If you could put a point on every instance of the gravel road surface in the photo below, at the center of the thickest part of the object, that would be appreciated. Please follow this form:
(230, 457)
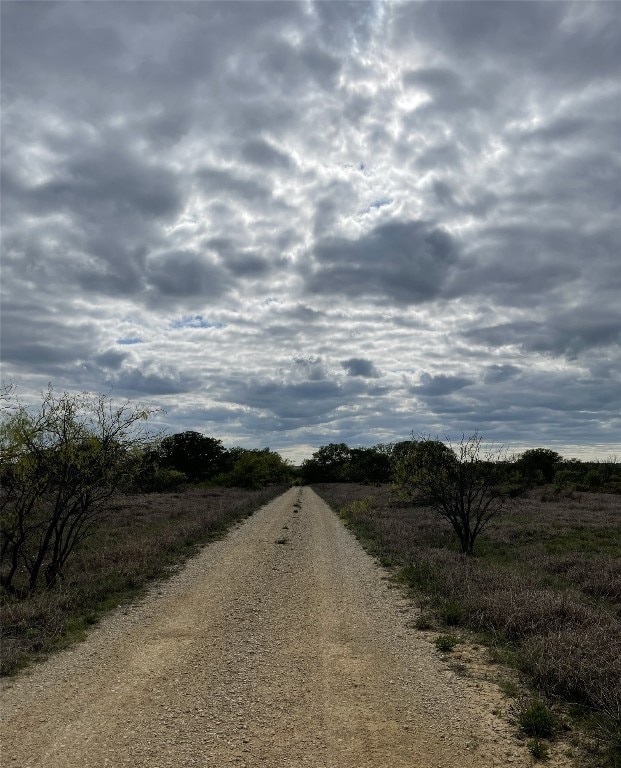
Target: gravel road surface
(282, 644)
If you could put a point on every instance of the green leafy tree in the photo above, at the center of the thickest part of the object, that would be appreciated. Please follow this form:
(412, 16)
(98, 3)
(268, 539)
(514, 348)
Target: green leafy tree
(401, 449)
(256, 469)
(197, 456)
(329, 464)
(151, 476)
(588, 476)
(414, 463)
(60, 464)
(368, 465)
(338, 463)
(462, 483)
(231, 457)
(538, 465)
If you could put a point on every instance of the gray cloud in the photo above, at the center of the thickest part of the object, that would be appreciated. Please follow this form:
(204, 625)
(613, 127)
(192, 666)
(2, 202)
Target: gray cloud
(571, 42)
(134, 380)
(358, 366)
(245, 211)
(239, 263)
(216, 182)
(111, 358)
(35, 342)
(259, 152)
(439, 385)
(446, 90)
(185, 274)
(405, 262)
(496, 374)
(480, 29)
(569, 333)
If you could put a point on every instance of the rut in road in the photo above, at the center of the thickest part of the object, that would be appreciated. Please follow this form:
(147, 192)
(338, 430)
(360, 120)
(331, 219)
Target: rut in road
(280, 645)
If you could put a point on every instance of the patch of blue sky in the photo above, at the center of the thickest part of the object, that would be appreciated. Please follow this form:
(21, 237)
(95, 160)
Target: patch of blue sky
(193, 321)
(130, 340)
(381, 202)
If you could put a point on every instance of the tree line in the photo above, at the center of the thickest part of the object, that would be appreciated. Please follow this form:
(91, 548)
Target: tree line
(191, 457)
(338, 463)
(61, 463)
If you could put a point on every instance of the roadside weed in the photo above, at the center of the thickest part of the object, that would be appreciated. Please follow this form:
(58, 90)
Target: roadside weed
(446, 643)
(538, 749)
(536, 719)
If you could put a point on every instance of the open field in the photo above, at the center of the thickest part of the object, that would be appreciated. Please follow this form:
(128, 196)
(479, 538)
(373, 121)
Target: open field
(544, 590)
(145, 536)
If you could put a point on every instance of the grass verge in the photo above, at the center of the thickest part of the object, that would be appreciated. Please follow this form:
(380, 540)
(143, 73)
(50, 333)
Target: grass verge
(543, 592)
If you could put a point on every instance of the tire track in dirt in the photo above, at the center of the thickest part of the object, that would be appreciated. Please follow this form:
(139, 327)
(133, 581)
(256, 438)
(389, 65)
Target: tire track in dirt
(280, 645)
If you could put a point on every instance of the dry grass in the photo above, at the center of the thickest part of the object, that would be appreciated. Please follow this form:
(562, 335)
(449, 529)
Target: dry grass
(144, 537)
(545, 587)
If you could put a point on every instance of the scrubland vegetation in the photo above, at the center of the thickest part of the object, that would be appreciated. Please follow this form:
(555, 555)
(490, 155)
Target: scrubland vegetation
(544, 590)
(523, 550)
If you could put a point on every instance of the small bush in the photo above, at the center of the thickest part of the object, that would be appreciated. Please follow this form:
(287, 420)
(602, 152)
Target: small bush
(536, 719)
(355, 508)
(538, 749)
(519, 611)
(583, 666)
(423, 622)
(164, 481)
(446, 643)
(421, 575)
(452, 613)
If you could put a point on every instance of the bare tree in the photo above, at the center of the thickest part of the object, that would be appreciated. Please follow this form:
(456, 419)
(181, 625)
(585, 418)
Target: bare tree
(7, 395)
(462, 483)
(59, 467)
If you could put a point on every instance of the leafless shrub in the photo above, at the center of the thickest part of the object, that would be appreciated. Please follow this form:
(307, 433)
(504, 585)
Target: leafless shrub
(462, 483)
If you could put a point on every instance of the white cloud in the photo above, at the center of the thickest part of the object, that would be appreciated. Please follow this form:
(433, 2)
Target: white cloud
(297, 223)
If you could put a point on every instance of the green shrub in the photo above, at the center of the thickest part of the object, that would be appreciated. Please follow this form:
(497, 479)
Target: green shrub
(167, 480)
(536, 719)
(452, 613)
(446, 643)
(357, 507)
(422, 575)
(538, 749)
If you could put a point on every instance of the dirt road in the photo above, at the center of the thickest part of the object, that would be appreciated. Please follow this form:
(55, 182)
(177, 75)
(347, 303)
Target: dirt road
(280, 645)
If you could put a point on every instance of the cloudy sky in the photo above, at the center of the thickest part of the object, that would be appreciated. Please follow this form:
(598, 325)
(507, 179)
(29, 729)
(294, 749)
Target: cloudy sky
(296, 223)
